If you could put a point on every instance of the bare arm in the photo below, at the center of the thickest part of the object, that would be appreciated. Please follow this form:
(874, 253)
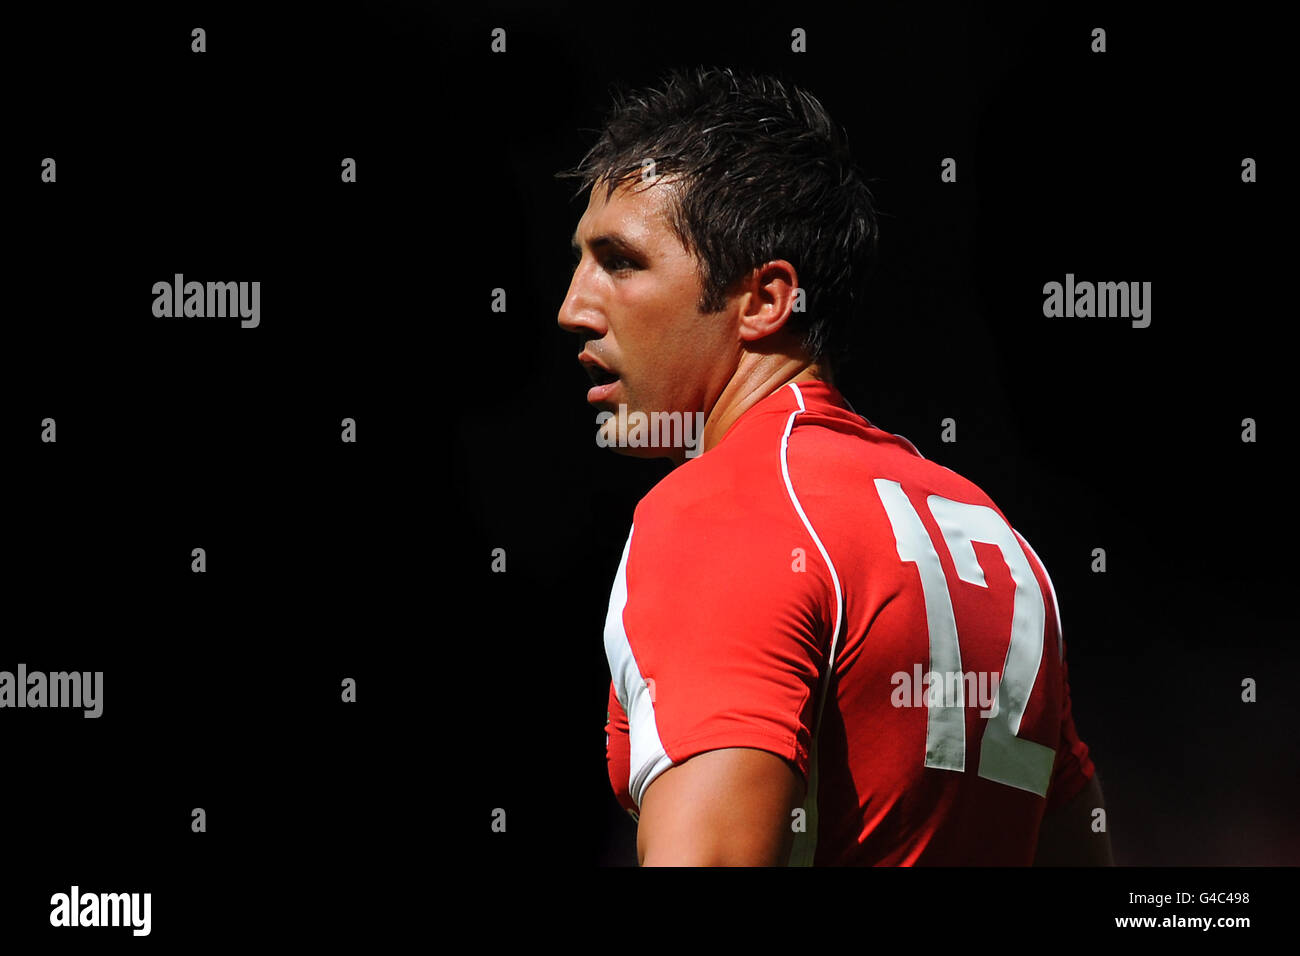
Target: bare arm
(728, 807)
(1067, 838)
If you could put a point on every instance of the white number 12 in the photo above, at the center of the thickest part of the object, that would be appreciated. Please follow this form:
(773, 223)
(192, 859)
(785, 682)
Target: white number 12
(1004, 757)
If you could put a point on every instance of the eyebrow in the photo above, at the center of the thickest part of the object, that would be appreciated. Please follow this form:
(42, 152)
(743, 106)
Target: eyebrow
(613, 240)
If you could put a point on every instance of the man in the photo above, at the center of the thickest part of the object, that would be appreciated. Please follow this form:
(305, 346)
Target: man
(823, 647)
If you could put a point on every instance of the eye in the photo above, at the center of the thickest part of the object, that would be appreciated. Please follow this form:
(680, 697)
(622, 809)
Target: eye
(618, 264)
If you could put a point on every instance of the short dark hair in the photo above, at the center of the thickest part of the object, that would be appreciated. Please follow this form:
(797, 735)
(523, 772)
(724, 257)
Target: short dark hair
(764, 174)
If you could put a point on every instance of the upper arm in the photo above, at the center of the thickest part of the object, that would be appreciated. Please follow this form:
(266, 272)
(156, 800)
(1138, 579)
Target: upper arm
(728, 807)
(714, 644)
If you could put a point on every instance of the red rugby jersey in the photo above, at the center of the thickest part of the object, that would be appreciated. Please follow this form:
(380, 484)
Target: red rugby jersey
(808, 535)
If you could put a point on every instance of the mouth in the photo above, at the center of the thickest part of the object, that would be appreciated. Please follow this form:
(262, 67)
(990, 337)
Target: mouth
(600, 376)
(603, 381)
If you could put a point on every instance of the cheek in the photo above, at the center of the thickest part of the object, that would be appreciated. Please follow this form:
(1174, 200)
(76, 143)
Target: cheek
(661, 335)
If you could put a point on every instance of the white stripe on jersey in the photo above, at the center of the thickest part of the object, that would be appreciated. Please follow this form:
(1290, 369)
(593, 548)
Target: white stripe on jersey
(647, 758)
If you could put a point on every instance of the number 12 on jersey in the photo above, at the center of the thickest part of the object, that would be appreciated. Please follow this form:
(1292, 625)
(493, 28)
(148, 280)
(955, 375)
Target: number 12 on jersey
(1004, 757)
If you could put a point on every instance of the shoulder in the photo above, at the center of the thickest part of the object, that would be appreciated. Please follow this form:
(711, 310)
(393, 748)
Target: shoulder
(728, 497)
(722, 536)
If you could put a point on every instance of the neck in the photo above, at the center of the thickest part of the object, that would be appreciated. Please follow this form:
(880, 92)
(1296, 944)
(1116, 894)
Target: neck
(753, 382)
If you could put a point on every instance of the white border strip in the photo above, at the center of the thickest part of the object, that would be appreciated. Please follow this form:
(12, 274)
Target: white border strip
(835, 578)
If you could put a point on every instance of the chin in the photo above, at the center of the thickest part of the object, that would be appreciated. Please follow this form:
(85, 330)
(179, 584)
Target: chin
(611, 438)
(647, 453)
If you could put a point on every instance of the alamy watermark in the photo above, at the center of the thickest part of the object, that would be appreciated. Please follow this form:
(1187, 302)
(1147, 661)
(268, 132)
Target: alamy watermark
(651, 430)
(57, 689)
(207, 300)
(1100, 300)
(75, 908)
(946, 689)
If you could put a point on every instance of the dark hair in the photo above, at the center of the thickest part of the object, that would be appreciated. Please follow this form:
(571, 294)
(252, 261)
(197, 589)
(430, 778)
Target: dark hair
(764, 174)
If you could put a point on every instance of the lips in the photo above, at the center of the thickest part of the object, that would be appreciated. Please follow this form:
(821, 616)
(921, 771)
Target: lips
(603, 379)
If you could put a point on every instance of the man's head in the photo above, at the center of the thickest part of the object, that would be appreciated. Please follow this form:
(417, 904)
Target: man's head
(711, 201)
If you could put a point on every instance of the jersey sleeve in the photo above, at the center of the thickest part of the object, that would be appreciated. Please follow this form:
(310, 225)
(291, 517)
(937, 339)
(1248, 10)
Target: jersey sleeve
(716, 636)
(616, 751)
(1074, 767)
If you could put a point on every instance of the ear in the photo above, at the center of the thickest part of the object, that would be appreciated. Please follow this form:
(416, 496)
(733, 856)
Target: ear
(766, 299)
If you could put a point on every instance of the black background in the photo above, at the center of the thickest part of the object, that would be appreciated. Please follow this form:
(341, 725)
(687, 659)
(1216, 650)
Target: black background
(373, 560)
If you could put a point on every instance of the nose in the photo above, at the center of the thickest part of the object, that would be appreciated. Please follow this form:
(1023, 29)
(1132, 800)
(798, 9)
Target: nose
(580, 312)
